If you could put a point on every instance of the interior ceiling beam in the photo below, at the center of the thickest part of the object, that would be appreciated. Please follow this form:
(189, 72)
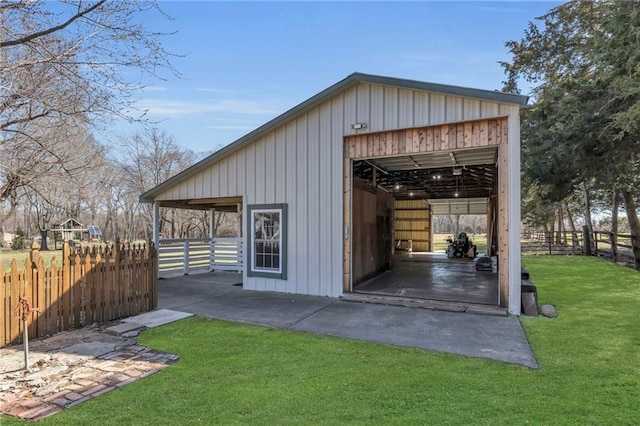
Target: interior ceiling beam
(376, 167)
(476, 181)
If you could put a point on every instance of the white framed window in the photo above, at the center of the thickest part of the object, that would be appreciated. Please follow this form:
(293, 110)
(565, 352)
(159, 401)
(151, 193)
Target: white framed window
(267, 251)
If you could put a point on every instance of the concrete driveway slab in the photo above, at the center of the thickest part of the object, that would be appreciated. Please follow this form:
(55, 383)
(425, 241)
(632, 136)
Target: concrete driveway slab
(264, 308)
(484, 336)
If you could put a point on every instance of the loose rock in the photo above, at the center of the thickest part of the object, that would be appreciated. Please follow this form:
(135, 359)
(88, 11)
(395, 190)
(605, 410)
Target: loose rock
(548, 311)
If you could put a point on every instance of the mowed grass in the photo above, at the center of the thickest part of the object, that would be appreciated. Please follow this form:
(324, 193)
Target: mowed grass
(7, 255)
(231, 373)
(440, 242)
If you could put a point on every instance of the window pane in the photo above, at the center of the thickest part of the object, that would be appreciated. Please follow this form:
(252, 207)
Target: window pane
(266, 240)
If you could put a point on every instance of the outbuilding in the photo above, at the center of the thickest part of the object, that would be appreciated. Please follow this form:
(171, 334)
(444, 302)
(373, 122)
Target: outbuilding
(329, 189)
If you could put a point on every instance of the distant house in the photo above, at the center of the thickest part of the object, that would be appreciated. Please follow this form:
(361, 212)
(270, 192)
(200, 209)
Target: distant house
(328, 189)
(7, 239)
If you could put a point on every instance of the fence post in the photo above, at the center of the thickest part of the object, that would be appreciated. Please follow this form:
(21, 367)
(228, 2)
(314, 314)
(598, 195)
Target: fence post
(613, 239)
(33, 293)
(212, 247)
(586, 236)
(65, 317)
(185, 258)
(635, 249)
(153, 266)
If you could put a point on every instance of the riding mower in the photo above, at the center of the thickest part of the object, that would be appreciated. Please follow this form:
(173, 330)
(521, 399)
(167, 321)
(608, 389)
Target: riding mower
(461, 247)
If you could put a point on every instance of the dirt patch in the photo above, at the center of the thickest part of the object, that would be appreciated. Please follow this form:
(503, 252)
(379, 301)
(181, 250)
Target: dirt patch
(70, 368)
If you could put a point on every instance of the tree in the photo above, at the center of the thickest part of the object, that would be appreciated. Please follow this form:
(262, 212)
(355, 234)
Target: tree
(582, 59)
(67, 65)
(147, 159)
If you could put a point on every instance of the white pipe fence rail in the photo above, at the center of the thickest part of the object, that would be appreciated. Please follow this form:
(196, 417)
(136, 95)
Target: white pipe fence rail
(193, 255)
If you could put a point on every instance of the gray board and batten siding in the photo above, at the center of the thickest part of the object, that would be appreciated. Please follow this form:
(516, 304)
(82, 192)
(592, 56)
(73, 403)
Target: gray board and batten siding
(297, 159)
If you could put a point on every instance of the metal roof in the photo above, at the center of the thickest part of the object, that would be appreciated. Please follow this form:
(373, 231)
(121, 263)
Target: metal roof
(340, 86)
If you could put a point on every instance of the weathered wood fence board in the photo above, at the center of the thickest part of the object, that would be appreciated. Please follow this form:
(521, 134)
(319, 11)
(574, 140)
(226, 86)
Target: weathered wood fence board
(605, 244)
(91, 286)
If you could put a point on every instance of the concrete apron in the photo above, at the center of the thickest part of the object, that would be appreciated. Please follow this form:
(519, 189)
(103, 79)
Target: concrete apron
(217, 295)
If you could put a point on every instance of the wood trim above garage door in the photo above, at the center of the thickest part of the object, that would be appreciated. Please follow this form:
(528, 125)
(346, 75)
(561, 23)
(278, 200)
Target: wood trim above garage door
(472, 134)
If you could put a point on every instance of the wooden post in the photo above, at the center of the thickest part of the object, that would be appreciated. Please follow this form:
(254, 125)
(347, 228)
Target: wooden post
(185, 257)
(587, 240)
(212, 234)
(32, 281)
(240, 220)
(65, 311)
(156, 223)
(153, 263)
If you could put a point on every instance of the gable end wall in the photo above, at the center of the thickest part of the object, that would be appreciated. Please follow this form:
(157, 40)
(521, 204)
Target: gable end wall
(301, 163)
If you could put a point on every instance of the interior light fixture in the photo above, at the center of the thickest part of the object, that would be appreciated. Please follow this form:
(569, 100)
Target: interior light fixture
(456, 193)
(457, 171)
(397, 187)
(411, 194)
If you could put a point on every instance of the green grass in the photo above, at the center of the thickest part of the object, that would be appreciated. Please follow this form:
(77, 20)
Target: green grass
(7, 254)
(440, 242)
(232, 373)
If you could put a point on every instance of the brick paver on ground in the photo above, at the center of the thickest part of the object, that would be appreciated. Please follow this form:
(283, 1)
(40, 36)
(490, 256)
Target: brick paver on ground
(61, 378)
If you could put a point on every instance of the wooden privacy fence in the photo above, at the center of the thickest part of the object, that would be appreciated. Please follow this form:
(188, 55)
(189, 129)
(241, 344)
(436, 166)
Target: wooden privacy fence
(92, 286)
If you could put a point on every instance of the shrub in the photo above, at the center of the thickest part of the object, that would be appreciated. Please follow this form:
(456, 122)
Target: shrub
(19, 240)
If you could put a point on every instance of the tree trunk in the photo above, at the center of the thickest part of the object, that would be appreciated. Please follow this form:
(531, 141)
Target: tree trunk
(634, 225)
(562, 235)
(614, 226)
(456, 226)
(43, 242)
(172, 222)
(572, 224)
(43, 234)
(587, 207)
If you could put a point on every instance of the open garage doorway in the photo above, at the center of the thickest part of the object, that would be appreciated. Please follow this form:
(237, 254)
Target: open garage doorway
(394, 250)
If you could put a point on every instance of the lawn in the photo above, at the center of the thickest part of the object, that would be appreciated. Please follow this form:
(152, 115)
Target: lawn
(230, 373)
(7, 254)
(440, 242)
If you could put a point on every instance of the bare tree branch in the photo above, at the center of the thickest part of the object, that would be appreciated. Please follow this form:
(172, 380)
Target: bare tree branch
(33, 36)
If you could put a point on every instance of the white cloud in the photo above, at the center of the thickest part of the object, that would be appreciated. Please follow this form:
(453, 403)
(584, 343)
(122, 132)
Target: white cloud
(216, 90)
(154, 89)
(176, 108)
(230, 127)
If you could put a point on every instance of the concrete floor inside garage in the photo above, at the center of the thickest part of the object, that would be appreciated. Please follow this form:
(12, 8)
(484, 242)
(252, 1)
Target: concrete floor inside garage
(435, 277)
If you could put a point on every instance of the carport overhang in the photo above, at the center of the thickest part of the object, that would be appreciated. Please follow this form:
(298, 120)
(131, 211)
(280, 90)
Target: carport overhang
(220, 204)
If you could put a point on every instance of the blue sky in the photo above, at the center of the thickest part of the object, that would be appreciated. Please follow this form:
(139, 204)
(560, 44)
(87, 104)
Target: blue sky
(247, 62)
